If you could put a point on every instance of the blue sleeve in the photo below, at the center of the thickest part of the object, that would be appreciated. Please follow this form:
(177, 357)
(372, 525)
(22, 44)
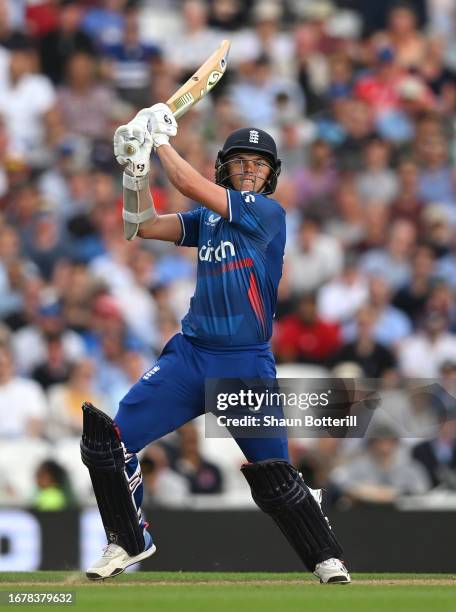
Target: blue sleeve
(190, 222)
(255, 214)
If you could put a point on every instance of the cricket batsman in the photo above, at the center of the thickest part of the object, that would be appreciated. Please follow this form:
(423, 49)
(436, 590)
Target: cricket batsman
(240, 235)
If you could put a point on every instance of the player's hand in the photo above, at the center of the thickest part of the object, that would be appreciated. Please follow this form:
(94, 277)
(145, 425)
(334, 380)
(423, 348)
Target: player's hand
(133, 145)
(161, 123)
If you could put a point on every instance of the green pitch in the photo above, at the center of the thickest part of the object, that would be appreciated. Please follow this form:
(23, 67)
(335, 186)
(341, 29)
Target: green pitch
(229, 592)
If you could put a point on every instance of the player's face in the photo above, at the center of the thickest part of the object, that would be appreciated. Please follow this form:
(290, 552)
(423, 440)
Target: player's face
(248, 171)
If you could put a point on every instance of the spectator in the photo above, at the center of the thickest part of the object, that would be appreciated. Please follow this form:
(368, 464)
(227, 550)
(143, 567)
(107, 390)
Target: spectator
(60, 44)
(391, 324)
(25, 103)
(312, 67)
(203, 477)
(9, 35)
(438, 75)
(374, 358)
(45, 244)
(105, 23)
(137, 305)
(379, 87)
(66, 399)
(304, 337)
(256, 93)
(74, 283)
(339, 299)
(441, 300)
(357, 128)
(413, 296)
(266, 38)
(130, 63)
(85, 104)
(444, 400)
(408, 42)
(393, 261)
(348, 222)
(195, 39)
(316, 183)
(22, 403)
(29, 301)
(48, 322)
(228, 16)
(55, 368)
(377, 181)
(423, 352)
(109, 359)
(318, 255)
(14, 271)
(54, 492)
(437, 176)
(438, 456)
(318, 460)
(167, 325)
(133, 363)
(42, 17)
(438, 234)
(382, 474)
(162, 485)
(407, 205)
(375, 17)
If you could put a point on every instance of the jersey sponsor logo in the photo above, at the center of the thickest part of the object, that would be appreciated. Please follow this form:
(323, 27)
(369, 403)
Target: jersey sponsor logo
(216, 253)
(254, 136)
(151, 372)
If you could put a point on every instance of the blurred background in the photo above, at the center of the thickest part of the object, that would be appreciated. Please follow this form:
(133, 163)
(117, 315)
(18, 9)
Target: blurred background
(361, 99)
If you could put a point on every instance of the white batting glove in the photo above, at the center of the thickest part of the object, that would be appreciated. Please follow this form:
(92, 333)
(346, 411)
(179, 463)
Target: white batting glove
(160, 122)
(133, 146)
(150, 128)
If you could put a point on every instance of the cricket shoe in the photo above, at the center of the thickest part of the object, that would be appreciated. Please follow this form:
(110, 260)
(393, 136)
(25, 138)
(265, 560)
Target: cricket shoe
(332, 571)
(115, 560)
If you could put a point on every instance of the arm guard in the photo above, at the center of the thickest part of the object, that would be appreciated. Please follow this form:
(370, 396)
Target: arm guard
(133, 201)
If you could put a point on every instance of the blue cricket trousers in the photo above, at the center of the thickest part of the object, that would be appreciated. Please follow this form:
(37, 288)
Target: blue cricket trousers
(172, 393)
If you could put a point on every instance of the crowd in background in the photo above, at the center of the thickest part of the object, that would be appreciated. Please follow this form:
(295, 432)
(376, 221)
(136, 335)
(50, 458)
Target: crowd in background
(361, 99)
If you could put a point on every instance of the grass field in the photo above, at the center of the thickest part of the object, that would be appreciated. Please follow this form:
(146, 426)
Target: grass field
(229, 592)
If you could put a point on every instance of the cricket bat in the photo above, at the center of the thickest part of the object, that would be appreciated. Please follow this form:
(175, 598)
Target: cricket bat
(197, 86)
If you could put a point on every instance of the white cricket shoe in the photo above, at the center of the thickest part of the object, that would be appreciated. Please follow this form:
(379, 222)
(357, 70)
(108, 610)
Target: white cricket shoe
(332, 571)
(115, 560)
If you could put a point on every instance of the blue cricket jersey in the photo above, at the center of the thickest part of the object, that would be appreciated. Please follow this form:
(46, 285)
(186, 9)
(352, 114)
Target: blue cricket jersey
(240, 262)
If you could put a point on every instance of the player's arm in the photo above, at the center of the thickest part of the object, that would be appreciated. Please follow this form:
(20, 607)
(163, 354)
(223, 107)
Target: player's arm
(182, 175)
(191, 183)
(156, 226)
(152, 127)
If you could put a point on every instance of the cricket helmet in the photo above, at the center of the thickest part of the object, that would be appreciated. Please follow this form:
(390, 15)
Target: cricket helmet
(249, 140)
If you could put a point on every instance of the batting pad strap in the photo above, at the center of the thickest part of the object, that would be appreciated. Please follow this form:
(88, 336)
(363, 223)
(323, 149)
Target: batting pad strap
(135, 183)
(133, 217)
(279, 490)
(103, 454)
